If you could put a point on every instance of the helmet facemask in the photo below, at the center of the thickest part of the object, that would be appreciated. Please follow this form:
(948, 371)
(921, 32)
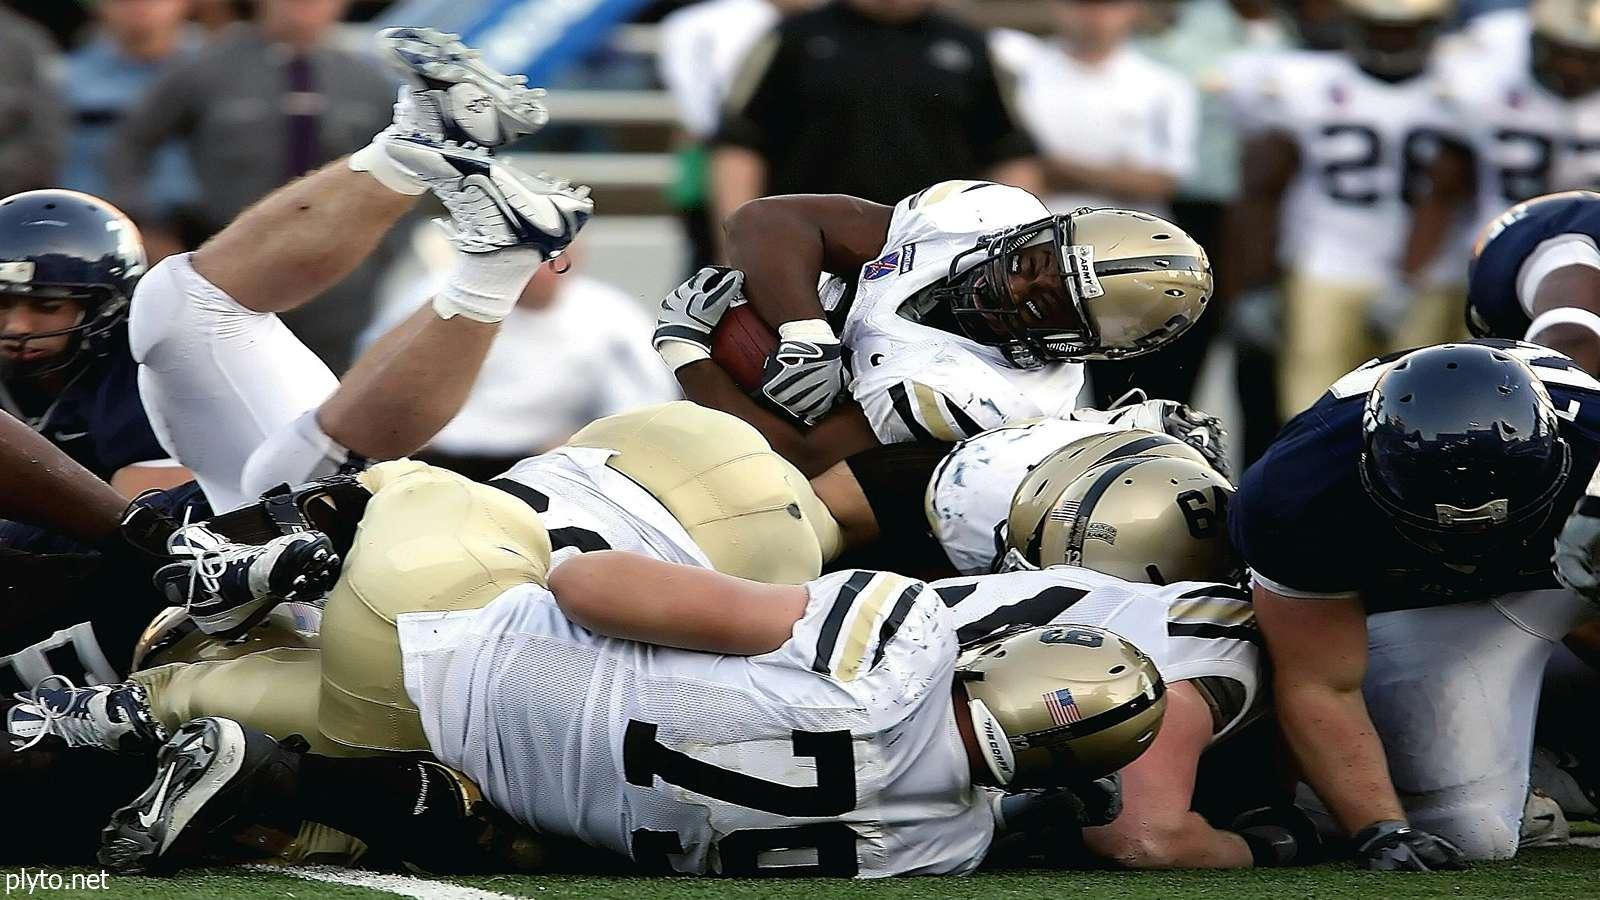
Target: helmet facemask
(1049, 324)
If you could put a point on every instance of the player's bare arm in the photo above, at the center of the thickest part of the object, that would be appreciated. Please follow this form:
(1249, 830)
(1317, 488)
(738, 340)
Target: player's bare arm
(43, 486)
(1157, 829)
(637, 598)
(1266, 165)
(1319, 651)
(1573, 287)
(1450, 185)
(1127, 182)
(784, 244)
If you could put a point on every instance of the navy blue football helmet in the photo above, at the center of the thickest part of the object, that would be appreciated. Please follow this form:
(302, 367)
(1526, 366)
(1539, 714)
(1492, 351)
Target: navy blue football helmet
(61, 244)
(1461, 448)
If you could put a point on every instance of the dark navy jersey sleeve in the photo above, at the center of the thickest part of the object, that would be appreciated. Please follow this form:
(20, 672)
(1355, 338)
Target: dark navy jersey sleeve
(1493, 307)
(1306, 527)
(1291, 519)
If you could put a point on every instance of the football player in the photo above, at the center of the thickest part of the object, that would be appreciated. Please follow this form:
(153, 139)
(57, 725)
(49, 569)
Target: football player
(963, 307)
(1519, 132)
(1200, 634)
(1399, 535)
(238, 399)
(669, 726)
(1337, 142)
(1536, 276)
(68, 265)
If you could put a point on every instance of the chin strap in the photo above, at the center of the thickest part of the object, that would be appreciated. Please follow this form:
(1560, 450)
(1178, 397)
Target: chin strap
(993, 743)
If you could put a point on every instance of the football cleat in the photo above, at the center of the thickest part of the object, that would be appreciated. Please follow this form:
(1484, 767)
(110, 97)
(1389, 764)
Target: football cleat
(228, 587)
(492, 204)
(215, 779)
(1563, 778)
(1543, 823)
(469, 101)
(112, 717)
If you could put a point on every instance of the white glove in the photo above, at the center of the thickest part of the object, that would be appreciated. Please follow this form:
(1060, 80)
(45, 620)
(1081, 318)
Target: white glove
(1197, 429)
(691, 312)
(805, 374)
(1577, 547)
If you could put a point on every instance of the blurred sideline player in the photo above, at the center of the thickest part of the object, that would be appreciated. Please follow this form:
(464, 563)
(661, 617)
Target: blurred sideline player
(1339, 141)
(963, 307)
(1399, 534)
(1522, 125)
(1536, 276)
(68, 266)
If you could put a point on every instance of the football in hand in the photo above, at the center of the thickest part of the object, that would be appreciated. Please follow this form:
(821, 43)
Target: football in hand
(741, 343)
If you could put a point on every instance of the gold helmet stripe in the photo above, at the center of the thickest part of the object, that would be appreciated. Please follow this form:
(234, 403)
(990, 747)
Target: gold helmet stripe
(1134, 264)
(1080, 523)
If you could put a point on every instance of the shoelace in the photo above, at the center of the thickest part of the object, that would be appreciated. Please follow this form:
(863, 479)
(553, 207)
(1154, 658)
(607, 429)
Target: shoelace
(207, 567)
(61, 723)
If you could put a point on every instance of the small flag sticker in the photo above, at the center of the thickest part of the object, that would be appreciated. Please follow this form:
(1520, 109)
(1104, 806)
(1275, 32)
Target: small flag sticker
(1063, 709)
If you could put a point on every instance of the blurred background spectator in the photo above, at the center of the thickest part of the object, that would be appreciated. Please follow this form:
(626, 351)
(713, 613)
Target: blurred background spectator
(702, 45)
(106, 76)
(32, 118)
(574, 349)
(874, 98)
(264, 102)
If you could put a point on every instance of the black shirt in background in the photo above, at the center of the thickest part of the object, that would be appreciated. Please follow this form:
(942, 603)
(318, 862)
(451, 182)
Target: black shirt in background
(836, 102)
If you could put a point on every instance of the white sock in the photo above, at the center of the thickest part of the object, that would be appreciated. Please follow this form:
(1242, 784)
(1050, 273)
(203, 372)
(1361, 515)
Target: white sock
(373, 160)
(485, 286)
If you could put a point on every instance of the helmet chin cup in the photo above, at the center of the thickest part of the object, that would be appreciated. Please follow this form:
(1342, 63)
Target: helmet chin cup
(993, 744)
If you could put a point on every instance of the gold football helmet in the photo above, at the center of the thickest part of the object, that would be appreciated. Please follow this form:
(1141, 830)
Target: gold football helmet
(1060, 704)
(1144, 518)
(1566, 45)
(1036, 496)
(1092, 284)
(1393, 39)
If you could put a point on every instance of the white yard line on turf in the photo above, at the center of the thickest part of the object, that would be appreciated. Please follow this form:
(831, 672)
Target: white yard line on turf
(404, 885)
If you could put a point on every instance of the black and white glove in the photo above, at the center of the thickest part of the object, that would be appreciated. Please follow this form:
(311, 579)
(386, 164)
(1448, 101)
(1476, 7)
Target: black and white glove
(1576, 548)
(1199, 430)
(1394, 846)
(1388, 311)
(805, 374)
(691, 312)
(1279, 835)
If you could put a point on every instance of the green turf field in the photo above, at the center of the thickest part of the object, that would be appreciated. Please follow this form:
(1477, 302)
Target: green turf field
(1563, 873)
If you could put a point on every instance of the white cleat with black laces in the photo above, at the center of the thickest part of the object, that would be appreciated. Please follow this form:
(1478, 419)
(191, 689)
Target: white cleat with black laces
(113, 717)
(228, 587)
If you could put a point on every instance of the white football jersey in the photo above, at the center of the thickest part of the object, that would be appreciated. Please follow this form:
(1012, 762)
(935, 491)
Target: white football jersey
(915, 382)
(1193, 631)
(836, 754)
(969, 495)
(586, 505)
(1363, 144)
(1527, 141)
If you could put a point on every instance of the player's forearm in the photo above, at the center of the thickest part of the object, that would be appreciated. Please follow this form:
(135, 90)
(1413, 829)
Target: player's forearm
(1126, 182)
(43, 486)
(1250, 236)
(1338, 750)
(1575, 341)
(1431, 222)
(707, 384)
(781, 253)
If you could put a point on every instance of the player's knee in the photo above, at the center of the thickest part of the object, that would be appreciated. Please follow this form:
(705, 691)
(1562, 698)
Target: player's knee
(173, 301)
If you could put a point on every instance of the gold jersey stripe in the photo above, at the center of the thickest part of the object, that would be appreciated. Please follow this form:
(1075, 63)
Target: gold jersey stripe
(869, 609)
